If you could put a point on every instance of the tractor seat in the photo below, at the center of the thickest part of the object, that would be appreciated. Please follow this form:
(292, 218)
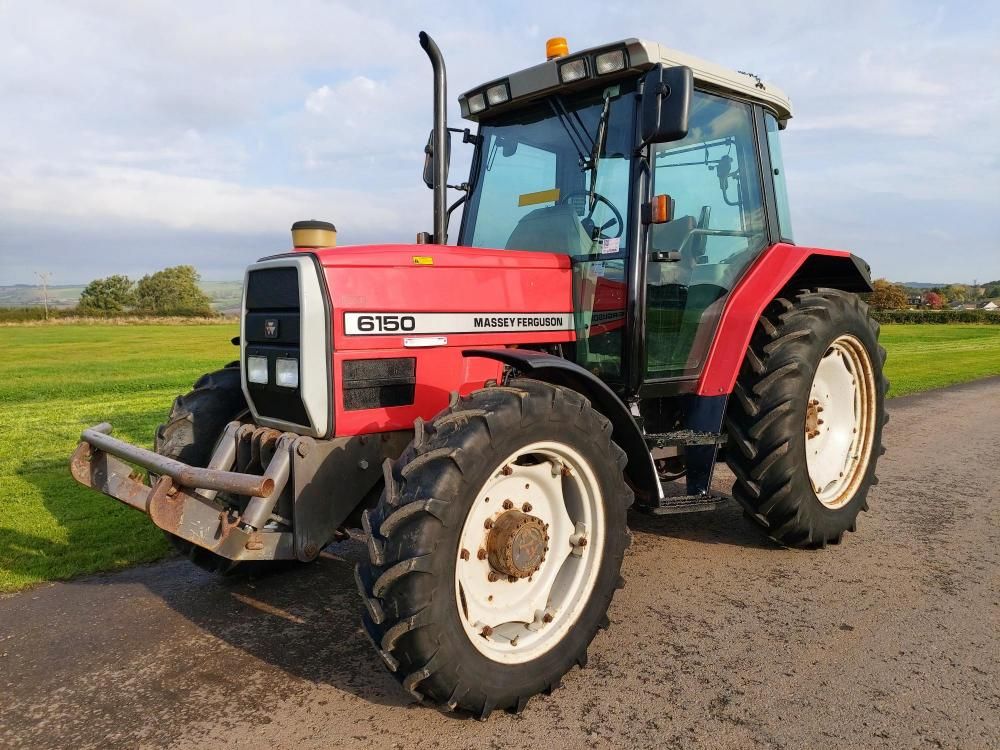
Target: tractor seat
(553, 229)
(671, 236)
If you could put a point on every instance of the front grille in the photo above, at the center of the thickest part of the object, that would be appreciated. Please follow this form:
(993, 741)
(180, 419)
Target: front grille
(272, 329)
(378, 383)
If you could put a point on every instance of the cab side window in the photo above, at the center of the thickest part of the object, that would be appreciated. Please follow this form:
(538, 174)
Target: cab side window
(778, 167)
(713, 175)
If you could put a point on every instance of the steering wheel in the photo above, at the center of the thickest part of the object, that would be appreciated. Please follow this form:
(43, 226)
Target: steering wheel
(588, 223)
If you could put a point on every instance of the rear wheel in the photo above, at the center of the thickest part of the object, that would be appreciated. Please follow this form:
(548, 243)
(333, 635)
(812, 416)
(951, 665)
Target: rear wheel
(806, 415)
(192, 430)
(496, 547)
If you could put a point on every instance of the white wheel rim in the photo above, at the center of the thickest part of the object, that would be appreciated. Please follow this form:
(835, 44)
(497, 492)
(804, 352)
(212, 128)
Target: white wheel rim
(516, 621)
(840, 422)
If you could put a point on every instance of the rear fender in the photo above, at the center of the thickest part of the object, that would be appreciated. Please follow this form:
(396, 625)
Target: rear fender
(640, 471)
(779, 267)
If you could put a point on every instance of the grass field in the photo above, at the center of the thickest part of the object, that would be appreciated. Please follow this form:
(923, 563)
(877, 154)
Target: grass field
(56, 380)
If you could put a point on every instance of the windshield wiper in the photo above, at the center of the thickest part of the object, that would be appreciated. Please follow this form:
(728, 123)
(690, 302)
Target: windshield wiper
(595, 155)
(560, 111)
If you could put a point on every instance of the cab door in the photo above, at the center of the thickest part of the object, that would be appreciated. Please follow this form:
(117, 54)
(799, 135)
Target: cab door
(718, 229)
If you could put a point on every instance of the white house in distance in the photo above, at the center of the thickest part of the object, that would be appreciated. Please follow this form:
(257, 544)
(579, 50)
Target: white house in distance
(990, 305)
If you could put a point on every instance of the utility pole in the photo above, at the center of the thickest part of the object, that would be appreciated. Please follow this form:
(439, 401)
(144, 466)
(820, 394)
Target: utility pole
(44, 277)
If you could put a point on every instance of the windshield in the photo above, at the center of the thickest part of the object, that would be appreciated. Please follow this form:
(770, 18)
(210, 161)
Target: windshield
(555, 176)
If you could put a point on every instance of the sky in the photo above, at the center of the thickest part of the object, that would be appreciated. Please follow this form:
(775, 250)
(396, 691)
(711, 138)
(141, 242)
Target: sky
(137, 135)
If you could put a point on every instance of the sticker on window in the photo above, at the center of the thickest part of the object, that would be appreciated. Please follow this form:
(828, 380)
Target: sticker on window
(610, 245)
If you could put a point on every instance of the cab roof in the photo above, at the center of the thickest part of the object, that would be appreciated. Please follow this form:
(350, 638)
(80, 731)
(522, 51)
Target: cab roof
(641, 55)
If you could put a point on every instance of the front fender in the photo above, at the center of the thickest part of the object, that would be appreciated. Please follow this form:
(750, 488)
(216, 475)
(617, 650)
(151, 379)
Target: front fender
(640, 471)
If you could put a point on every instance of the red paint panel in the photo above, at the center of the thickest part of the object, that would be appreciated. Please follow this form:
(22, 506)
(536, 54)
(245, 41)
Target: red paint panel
(761, 284)
(386, 278)
(439, 372)
(468, 280)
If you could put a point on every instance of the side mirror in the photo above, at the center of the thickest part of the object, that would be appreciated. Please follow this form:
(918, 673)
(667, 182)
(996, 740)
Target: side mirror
(666, 100)
(429, 158)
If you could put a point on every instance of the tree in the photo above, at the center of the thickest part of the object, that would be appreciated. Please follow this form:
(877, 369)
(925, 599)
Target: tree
(957, 292)
(172, 291)
(887, 296)
(933, 300)
(110, 295)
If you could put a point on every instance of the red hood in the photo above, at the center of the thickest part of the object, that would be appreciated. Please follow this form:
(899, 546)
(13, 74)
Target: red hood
(447, 256)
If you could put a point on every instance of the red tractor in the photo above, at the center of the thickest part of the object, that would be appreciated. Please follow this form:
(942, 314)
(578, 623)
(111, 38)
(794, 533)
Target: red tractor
(624, 305)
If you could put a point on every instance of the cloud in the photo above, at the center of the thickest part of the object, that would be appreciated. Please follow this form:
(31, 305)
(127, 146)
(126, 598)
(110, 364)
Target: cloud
(215, 125)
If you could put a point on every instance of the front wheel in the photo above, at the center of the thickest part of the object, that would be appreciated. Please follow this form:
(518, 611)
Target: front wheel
(496, 547)
(805, 419)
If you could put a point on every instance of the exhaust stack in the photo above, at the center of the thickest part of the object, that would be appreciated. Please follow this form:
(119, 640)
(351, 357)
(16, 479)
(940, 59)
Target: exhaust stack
(439, 146)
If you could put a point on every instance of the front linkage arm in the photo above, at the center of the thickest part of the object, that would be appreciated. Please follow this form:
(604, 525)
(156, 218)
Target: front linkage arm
(276, 470)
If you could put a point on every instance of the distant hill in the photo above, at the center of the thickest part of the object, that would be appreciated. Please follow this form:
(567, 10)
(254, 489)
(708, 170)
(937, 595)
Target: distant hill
(942, 285)
(225, 295)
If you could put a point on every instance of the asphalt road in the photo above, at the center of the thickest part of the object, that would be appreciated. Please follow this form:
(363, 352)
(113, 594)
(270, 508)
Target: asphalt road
(719, 639)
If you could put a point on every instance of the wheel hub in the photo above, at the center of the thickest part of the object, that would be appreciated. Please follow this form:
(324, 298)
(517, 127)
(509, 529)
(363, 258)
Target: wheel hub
(516, 544)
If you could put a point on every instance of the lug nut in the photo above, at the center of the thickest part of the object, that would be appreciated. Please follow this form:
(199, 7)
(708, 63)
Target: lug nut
(506, 471)
(481, 554)
(488, 523)
(507, 505)
(492, 577)
(511, 579)
(487, 631)
(526, 507)
(465, 554)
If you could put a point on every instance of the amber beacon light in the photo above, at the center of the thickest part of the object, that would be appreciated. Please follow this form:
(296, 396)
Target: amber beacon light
(556, 47)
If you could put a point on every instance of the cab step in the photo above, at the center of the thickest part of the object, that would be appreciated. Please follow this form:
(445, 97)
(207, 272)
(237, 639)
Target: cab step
(677, 504)
(683, 437)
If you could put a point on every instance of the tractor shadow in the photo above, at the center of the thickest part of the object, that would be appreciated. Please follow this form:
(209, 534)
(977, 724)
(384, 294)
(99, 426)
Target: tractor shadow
(304, 620)
(724, 524)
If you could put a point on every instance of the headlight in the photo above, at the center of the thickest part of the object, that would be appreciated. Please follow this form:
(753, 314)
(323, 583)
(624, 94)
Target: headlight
(477, 103)
(609, 62)
(286, 373)
(257, 370)
(497, 94)
(574, 70)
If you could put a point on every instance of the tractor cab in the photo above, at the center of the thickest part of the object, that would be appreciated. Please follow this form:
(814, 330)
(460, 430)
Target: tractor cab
(659, 216)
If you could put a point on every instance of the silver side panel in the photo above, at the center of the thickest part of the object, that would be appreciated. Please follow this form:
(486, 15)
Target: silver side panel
(314, 366)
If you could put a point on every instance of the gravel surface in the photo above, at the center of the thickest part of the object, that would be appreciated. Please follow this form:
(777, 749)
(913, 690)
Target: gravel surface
(718, 640)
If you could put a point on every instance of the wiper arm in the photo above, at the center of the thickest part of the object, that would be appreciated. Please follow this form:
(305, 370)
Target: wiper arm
(595, 155)
(560, 111)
